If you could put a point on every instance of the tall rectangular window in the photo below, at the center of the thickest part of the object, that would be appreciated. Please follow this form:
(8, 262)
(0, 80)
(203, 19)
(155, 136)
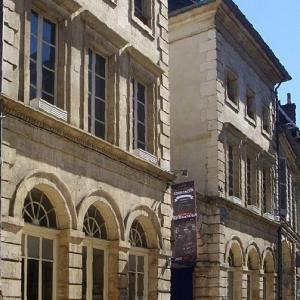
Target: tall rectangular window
(42, 58)
(264, 190)
(139, 115)
(97, 95)
(142, 10)
(230, 171)
(248, 181)
(230, 287)
(137, 277)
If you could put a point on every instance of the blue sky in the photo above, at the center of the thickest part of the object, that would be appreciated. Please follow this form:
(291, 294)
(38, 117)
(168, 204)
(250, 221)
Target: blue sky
(278, 22)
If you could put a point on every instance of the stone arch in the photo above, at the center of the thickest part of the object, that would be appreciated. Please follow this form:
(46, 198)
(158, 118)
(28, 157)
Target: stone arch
(268, 261)
(253, 254)
(253, 262)
(149, 222)
(55, 190)
(235, 245)
(108, 209)
(269, 268)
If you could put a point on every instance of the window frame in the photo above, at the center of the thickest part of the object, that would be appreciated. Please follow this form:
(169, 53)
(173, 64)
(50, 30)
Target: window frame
(250, 96)
(231, 76)
(236, 169)
(265, 131)
(135, 120)
(41, 233)
(137, 251)
(149, 29)
(94, 243)
(92, 116)
(39, 65)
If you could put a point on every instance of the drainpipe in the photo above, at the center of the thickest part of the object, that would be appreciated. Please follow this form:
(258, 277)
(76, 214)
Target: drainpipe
(279, 231)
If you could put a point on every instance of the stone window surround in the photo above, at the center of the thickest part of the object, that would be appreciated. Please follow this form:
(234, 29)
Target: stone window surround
(59, 17)
(145, 253)
(266, 109)
(149, 80)
(250, 94)
(230, 74)
(90, 244)
(100, 45)
(149, 30)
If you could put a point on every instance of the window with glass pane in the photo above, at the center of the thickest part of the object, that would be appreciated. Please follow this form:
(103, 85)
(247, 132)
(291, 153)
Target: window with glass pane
(37, 268)
(142, 10)
(42, 58)
(93, 257)
(139, 115)
(230, 171)
(136, 273)
(248, 180)
(97, 94)
(264, 190)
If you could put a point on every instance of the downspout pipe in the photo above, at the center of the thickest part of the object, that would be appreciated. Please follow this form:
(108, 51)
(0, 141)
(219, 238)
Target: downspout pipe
(279, 231)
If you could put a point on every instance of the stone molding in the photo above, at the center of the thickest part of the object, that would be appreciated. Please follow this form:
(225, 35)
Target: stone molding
(79, 136)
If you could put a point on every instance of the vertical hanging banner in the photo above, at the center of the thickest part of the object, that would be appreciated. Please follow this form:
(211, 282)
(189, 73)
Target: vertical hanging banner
(184, 221)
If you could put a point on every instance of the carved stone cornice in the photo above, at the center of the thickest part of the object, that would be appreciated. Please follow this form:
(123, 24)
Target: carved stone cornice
(39, 119)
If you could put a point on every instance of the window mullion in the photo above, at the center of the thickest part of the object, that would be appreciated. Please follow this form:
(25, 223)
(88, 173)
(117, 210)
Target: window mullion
(39, 57)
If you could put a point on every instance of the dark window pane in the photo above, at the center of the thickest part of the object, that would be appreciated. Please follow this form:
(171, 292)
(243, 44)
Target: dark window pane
(49, 32)
(48, 81)
(132, 263)
(47, 278)
(90, 82)
(23, 275)
(33, 244)
(131, 286)
(138, 4)
(33, 47)
(140, 265)
(100, 66)
(140, 285)
(48, 56)
(47, 249)
(90, 59)
(89, 105)
(141, 113)
(32, 73)
(49, 99)
(84, 258)
(99, 130)
(32, 279)
(141, 93)
(99, 110)
(141, 133)
(32, 95)
(141, 145)
(98, 274)
(34, 22)
(99, 87)
(89, 125)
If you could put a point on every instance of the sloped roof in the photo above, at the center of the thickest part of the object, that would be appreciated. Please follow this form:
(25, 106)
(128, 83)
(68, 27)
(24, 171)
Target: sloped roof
(177, 7)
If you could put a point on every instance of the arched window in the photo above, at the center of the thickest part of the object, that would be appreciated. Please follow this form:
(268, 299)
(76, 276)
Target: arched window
(94, 256)
(253, 276)
(38, 244)
(138, 262)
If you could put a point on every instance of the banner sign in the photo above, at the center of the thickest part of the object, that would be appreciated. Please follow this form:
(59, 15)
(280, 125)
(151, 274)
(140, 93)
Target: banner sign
(184, 204)
(185, 239)
(184, 221)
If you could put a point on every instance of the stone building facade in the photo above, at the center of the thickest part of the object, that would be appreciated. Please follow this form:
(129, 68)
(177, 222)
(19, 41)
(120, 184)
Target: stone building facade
(223, 83)
(85, 200)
